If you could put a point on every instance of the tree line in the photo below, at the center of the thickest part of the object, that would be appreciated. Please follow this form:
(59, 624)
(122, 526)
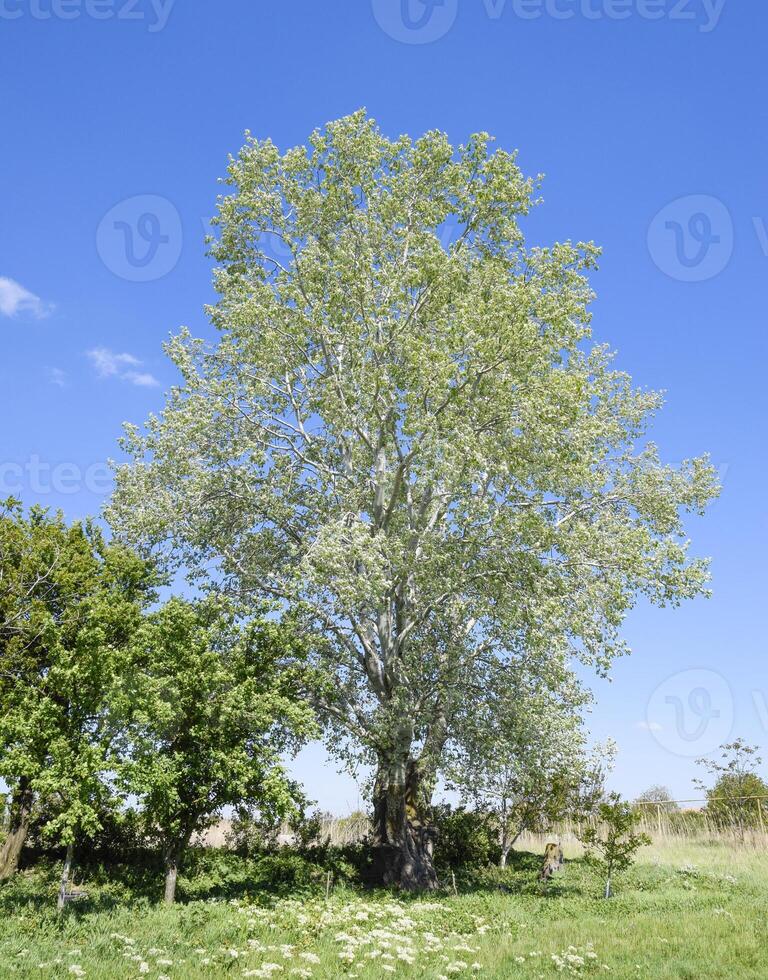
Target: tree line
(107, 696)
(110, 699)
(405, 442)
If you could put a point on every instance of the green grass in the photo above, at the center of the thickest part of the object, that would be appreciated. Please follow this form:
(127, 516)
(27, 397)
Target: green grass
(685, 910)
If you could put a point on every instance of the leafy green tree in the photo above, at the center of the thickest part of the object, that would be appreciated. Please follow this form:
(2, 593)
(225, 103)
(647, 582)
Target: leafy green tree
(739, 797)
(69, 603)
(660, 797)
(611, 843)
(404, 437)
(209, 708)
(519, 753)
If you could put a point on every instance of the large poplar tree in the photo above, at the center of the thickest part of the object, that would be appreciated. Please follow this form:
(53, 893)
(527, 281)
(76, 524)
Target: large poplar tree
(404, 436)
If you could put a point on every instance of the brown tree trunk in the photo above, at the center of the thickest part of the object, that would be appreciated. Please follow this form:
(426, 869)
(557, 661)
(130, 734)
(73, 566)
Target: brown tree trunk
(172, 856)
(21, 815)
(403, 834)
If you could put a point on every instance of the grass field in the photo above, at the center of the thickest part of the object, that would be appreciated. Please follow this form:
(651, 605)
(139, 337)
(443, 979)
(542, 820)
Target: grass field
(686, 910)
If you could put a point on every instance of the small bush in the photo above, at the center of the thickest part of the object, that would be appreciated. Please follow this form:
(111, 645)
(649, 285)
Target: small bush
(465, 838)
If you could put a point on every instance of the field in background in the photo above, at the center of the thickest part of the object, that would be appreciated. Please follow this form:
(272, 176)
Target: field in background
(692, 826)
(689, 909)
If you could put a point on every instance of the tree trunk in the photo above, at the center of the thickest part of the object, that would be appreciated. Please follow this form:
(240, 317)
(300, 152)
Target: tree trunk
(65, 873)
(507, 839)
(172, 856)
(21, 815)
(171, 874)
(403, 834)
(503, 834)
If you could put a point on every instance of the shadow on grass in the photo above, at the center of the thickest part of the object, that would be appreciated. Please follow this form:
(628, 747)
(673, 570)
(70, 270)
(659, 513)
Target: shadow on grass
(521, 877)
(259, 878)
(206, 874)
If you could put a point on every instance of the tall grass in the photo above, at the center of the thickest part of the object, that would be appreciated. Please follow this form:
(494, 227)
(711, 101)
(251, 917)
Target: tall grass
(684, 826)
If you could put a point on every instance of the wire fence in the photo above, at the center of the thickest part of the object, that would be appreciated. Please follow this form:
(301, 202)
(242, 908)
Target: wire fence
(714, 816)
(739, 820)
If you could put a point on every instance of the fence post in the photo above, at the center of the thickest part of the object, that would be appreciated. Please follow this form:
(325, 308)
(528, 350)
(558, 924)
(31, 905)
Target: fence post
(658, 817)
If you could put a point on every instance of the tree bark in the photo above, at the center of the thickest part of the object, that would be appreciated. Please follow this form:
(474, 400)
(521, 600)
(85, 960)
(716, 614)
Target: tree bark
(171, 874)
(508, 837)
(172, 856)
(504, 841)
(21, 815)
(65, 873)
(403, 834)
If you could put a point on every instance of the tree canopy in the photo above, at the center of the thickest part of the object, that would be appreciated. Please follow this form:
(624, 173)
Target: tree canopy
(69, 602)
(209, 708)
(518, 751)
(739, 796)
(404, 436)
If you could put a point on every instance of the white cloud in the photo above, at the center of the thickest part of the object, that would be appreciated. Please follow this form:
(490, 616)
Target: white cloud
(57, 377)
(15, 299)
(111, 365)
(649, 726)
(108, 364)
(141, 378)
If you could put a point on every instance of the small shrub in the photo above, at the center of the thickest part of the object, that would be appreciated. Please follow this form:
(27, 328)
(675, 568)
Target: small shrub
(252, 834)
(465, 838)
(308, 828)
(611, 845)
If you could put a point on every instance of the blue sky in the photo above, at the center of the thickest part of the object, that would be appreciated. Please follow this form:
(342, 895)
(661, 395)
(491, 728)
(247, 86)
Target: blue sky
(648, 118)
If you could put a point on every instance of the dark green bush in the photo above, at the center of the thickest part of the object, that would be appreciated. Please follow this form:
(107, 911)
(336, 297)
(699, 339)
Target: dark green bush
(465, 838)
(209, 872)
